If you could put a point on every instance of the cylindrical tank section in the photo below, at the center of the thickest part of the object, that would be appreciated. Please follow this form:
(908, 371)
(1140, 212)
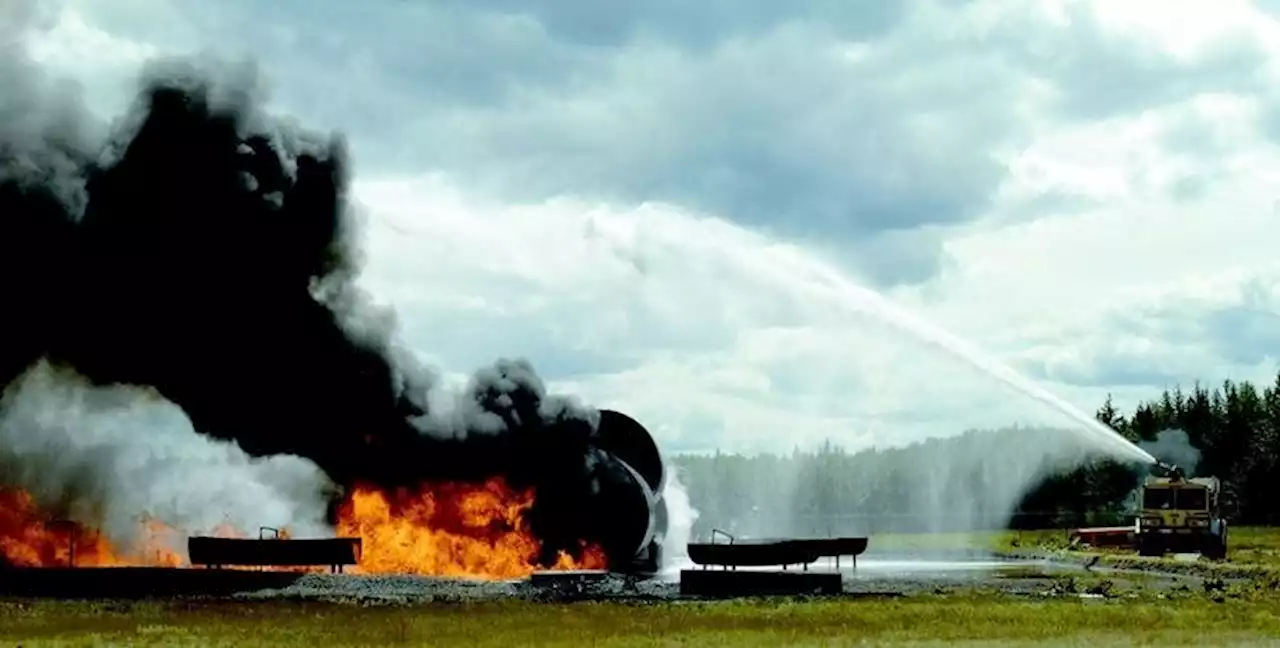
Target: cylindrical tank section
(631, 475)
(624, 510)
(627, 439)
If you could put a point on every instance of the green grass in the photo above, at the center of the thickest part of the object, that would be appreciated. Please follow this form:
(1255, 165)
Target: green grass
(1255, 545)
(1254, 552)
(1248, 545)
(975, 619)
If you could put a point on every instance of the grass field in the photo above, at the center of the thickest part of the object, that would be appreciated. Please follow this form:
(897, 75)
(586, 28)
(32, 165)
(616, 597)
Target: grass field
(1248, 545)
(920, 621)
(1254, 552)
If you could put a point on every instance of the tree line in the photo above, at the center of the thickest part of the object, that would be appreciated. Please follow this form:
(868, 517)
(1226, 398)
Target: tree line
(1017, 476)
(1233, 432)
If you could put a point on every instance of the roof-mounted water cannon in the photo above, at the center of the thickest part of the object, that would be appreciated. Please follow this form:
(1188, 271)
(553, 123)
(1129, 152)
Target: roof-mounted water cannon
(1170, 471)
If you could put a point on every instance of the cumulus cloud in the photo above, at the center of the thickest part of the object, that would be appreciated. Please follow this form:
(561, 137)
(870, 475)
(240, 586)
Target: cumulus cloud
(1171, 338)
(1080, 187)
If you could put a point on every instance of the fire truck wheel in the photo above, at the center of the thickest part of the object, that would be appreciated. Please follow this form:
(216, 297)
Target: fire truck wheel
(1217, 547)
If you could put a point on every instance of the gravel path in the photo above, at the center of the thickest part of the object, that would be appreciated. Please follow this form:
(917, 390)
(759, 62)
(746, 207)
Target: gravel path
(1017, 578)
(902, 575)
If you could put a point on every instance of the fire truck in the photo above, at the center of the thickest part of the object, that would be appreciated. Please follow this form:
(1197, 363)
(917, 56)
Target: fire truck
(1181, 515)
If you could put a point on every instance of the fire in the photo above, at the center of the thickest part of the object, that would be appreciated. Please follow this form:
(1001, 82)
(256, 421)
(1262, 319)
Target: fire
(29, 538)
(450, 529)
(454, 529)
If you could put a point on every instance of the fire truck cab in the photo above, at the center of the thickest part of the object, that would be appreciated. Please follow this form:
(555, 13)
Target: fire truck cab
(1181, 515)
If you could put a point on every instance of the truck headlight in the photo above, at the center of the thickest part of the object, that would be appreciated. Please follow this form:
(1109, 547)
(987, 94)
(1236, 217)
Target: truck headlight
(1151, 521)
(1198, 523)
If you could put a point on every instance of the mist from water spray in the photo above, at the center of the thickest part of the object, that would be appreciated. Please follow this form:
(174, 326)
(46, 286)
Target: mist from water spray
(936, 487)
(838, 290)
(681, 517)
(975, 483)
(967, 483)
(788, 269)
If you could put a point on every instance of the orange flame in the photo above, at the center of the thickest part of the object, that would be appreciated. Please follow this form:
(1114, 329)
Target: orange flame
(450, 529)
(28, 538)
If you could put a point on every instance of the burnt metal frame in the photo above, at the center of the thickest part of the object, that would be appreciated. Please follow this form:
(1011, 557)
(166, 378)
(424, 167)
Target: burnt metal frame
(804, 552)
(334, 567)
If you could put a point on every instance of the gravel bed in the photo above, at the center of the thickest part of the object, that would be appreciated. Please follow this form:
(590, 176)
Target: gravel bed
(361, 589)
(388, 589)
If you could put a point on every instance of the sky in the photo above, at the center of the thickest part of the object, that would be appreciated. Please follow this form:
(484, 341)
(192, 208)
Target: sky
(698, 213)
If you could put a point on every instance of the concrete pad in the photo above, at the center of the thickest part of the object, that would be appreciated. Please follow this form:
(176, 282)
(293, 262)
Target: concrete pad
(728, 583)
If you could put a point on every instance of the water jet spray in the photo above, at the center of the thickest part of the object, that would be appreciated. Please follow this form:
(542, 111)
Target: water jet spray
(828, 284)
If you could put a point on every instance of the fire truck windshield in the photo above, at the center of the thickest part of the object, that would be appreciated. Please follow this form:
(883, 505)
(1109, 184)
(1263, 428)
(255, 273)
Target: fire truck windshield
(1194, 499)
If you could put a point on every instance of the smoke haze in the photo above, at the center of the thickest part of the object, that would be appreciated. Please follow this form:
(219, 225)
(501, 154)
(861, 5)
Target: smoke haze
(1173, 446)
(106, 456)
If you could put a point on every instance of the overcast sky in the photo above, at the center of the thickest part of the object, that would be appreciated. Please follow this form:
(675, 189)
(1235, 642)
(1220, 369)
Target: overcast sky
(673, 208)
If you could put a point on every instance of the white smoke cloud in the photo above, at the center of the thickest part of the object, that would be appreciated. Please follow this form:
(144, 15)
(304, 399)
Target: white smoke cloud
(112, 456)
(1173, 446)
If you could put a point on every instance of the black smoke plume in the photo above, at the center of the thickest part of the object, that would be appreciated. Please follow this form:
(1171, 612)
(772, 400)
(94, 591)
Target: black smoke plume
(206, 249)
